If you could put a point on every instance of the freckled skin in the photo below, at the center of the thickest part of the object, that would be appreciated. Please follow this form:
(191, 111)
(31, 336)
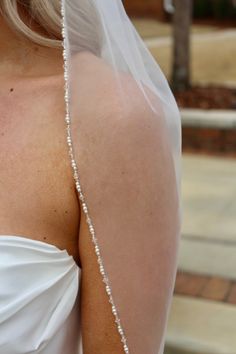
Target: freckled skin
(48, 208)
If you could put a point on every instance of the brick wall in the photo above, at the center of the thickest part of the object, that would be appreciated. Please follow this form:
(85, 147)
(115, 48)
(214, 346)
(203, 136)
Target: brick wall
(220, 141)
(152, 8)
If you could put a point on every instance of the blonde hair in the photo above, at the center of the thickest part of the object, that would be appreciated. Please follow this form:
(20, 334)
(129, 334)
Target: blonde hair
(46, 13)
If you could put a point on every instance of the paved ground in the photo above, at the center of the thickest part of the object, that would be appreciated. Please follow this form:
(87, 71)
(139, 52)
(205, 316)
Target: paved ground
(213, 51)
(209, 195)
(207, 262)
(201, 327)
(208, 245)
(150, 28)
(203, 314)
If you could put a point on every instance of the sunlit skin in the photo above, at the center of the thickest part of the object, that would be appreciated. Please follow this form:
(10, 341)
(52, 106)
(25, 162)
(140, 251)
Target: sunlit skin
(37, 193)
(38, 199)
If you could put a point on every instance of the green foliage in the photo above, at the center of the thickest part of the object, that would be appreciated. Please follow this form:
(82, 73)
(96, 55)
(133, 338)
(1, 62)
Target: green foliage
(214, 8)
(202, 8)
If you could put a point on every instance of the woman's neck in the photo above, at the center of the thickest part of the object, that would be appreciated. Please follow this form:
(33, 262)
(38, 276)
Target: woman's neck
(22, 57)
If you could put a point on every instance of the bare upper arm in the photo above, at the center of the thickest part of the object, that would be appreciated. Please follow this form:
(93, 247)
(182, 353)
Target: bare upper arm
(128, 178)
(99, 331)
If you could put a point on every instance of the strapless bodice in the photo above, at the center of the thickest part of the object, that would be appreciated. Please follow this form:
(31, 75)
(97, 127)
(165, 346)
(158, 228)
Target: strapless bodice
(39, 298)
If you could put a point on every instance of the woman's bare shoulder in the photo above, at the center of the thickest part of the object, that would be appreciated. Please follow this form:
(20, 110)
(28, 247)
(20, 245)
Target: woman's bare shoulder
(112, 101)
(120, 141)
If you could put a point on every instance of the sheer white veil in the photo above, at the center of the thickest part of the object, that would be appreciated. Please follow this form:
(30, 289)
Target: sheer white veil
(98, 35)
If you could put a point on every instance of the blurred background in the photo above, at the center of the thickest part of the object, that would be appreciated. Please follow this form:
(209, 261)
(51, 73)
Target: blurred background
(194, 42)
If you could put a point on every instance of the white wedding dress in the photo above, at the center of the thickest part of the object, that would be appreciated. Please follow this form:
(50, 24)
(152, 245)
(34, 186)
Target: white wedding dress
(39, 298)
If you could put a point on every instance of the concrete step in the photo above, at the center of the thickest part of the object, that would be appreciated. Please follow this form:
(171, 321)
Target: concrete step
(212, 131)
(201, 327)
(209, 257)
(209, 195)
(200, 118)
(208, 244)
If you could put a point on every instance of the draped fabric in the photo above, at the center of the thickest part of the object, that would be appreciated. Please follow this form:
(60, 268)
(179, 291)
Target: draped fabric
(39, 303)
(114, 86)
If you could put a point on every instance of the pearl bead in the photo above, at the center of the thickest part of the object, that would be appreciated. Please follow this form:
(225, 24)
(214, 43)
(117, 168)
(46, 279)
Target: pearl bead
(78, 186)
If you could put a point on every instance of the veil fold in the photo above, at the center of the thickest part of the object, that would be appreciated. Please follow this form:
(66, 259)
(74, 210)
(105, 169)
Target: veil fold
(114, 86)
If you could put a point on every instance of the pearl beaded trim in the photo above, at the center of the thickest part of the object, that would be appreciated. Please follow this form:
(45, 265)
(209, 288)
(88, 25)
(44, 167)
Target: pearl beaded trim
(81, 195)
